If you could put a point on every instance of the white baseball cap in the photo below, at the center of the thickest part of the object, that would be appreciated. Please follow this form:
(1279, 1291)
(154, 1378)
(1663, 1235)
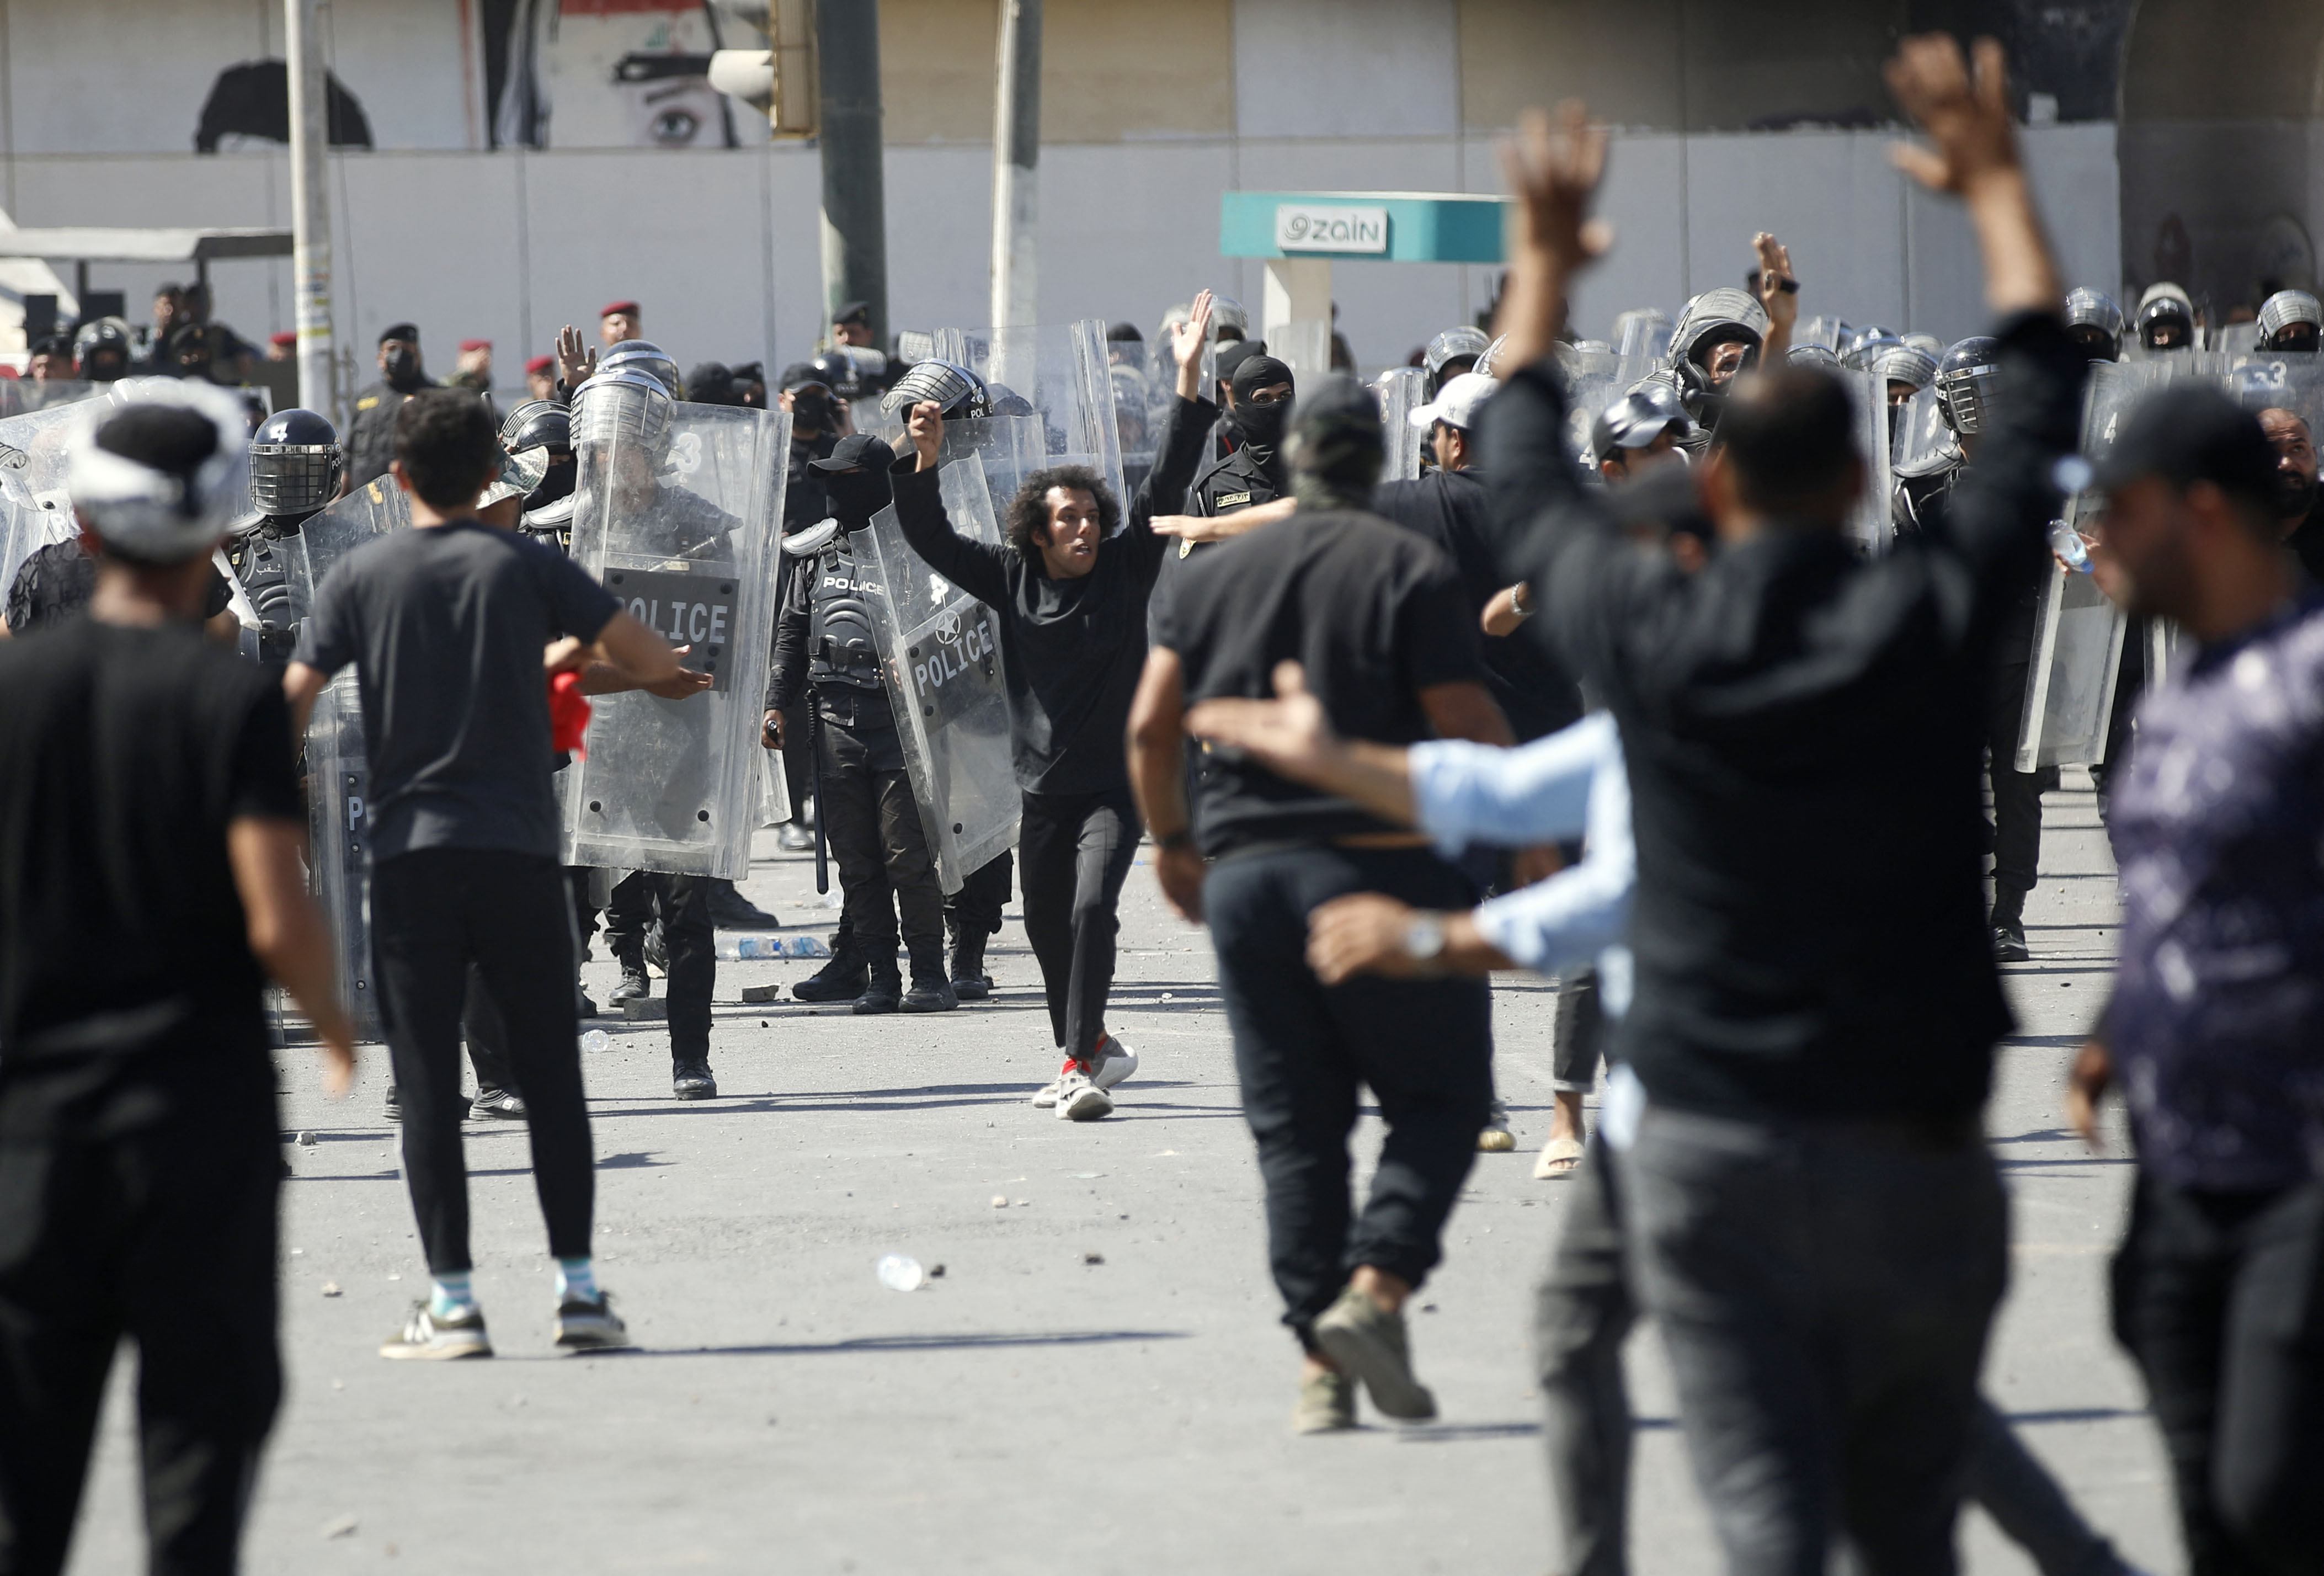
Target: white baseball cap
(1457, 403)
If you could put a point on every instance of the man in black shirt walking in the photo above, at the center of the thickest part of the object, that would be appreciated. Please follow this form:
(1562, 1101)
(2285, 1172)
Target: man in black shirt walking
(1072, 594)
(152, 850)
(1821, 1227)
(450, 625)
(1378, 618)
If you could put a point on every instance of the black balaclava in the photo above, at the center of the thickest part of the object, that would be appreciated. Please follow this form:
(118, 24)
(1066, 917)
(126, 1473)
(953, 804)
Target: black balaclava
(1261, 426)
(402, 369)
(857, 496)
(556, 483)
(1335, 445)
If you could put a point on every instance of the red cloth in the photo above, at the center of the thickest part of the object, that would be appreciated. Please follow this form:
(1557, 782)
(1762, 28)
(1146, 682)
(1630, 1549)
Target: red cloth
(569, 715)
(612, 307)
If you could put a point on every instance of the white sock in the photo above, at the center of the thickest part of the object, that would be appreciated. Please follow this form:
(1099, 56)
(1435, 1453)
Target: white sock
(577, 1280)
(450, 1294)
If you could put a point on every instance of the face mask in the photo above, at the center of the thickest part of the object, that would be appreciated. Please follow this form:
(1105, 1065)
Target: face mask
(403, 364)
(857, 496)
(2295, 493)
(1261, 426)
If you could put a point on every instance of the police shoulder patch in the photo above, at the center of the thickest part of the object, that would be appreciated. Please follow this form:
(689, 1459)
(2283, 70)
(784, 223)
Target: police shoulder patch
(1229, 500)
(367, 401)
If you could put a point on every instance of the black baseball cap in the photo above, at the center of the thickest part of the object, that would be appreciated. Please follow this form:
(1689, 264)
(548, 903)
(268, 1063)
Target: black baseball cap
(857, 448)
(2186, 433)
(853, 312)
(400, 331)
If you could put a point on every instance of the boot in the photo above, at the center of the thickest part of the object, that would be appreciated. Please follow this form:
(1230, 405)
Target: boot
(634, 986)
(970, 982)
(840, 980)
(884, 989)
(930, 991)
(730, 910)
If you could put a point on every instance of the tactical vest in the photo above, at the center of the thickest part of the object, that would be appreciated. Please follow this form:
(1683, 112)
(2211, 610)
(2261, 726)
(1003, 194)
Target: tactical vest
(260, 560)
(843, 646)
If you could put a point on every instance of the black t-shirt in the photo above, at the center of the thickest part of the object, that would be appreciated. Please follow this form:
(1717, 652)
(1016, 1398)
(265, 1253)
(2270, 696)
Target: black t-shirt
(58, 580)
(1374, 613)
(446, 625)
(1071, 649)
(1452, 510)
(124, 752)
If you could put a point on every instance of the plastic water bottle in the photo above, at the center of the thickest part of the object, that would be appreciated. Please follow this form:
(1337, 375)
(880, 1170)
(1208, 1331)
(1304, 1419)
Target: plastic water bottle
(742, 947)
(596, 1040)
(901, 1274)
(2068, 544)
(808, 947)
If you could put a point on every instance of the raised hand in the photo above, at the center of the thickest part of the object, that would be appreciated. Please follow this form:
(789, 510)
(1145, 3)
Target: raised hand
(1965, 115)
(575, 362)
(1554, 168)
(925, 425)
(1186, 342)
(1781, 305)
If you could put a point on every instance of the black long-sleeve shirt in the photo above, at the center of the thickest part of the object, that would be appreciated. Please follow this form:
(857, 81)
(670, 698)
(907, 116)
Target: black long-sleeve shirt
(1804, 730)
(1071, 650)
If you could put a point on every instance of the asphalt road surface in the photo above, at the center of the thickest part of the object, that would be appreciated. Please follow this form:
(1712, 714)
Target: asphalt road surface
(1095, 1381)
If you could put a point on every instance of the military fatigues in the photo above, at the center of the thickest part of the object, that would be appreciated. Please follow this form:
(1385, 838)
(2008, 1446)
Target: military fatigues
(371, 440)
(824, 639)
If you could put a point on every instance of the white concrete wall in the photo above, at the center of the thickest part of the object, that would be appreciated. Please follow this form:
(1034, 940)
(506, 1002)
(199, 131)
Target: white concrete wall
(722, 246)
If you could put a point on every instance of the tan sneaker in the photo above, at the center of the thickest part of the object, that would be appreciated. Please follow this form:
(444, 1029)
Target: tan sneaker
(1327, 1402)
(1369, 1341)
(1496, 1139)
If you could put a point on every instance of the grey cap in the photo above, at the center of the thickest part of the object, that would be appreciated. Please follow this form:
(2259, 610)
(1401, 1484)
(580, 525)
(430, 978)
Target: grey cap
(1637, 419)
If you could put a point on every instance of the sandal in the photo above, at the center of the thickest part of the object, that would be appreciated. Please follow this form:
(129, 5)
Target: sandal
(1557, 1160)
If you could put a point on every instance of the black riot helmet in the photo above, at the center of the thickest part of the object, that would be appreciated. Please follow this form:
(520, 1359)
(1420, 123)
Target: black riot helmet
(839, 373)
(295, 464)
(2165, 309)
(1964, 384)
(960, 393)
(538, 424)
(101, 350)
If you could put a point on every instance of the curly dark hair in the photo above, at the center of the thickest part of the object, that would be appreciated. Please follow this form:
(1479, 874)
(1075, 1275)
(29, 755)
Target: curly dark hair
(1028, 510)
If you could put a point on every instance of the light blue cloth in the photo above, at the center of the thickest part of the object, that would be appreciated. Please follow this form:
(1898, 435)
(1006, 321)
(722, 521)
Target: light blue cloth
(1571, 783)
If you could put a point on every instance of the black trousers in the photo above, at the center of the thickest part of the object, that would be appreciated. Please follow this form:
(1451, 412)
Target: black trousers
(977, 906)
(1302, 1049)
(688, 938)
(1076, 850)
(1577, 1034)
(433, 913)
(873, 825)
(2017, 795)
(138, 1198)
(2219, 1298)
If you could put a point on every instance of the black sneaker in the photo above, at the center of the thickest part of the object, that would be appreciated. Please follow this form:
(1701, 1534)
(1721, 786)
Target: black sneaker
(692, 1081)
(584, 1326)
(2009, 944)
(930, 996)
(634, 987)
(730, 910)
(428, 1338)
(505, 1103)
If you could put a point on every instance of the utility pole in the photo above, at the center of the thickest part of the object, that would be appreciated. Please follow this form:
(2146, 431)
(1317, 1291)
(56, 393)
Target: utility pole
(311, 202)
(855, 189)
(1017, 164)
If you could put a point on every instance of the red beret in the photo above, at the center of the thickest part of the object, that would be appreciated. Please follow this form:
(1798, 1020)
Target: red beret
(627, 308)
(467, 345)
(285, 337)
(541, 364)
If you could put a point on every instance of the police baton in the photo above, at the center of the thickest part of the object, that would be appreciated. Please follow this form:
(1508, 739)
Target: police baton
(814, 762)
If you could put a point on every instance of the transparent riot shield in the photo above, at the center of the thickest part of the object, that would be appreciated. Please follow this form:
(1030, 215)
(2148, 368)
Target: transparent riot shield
(1062, 375)
(338, 809)
(1917, 432)
(1593, 380)
(371, 511)
(2078, 633)
(2280, 383)
(1868, 522)
(940, 651)
(680, 524)
(34, 451)
(22, 396)
(1402, 390)
(1007, 449)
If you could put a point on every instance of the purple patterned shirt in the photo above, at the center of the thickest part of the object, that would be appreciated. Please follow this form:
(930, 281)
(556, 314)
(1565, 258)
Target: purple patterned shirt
(2217, 1024)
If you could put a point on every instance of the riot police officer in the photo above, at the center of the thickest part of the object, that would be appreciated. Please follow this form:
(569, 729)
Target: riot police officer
(370, 439)
(2289, 320)
(2166, 318)
(827, 647)
(295, 465)
(1964, 385)
(1719, 335)
(1452, 353)
(2094, 323)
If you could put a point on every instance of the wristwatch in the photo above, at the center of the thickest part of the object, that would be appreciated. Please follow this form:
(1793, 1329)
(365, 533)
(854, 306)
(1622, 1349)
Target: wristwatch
(1423, 937)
